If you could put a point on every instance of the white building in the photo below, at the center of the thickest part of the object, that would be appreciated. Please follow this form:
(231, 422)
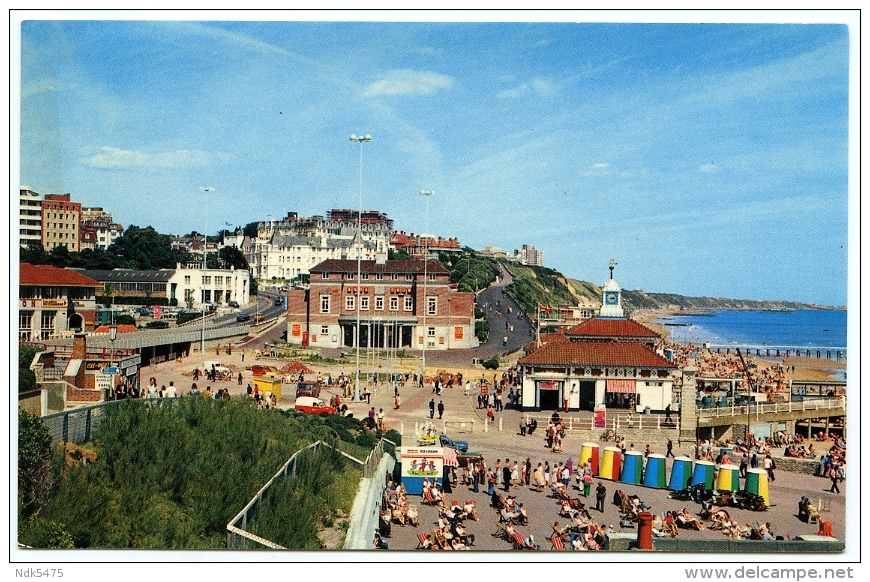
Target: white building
(529, 255)
(29, 217)
(105, 230)
(289, 248)
(195, 288)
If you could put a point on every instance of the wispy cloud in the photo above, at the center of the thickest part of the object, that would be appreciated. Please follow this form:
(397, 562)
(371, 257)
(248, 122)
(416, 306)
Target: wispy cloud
(538, 86)
(118, 159)
(408, 82)
(709, 168)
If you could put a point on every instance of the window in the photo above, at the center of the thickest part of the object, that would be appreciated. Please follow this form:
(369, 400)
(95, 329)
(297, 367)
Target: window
(349, 304)
(431, 277)
(379, 303)
(218, 280)
(206, 279)
(324, 330)
(409, 277)
(409, 303)
(325, 275)
(25, 321)
(394, 303)
(364, 276)
(380, 277)
(324, 304)
(394, 276)
(364, 302)
(430, 331)
(46, 324)
(431, 306)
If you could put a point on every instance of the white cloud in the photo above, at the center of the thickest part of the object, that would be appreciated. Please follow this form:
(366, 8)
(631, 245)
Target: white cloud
(537, 85)
(601, 165)
(708, 168)
(116, 158)
(408, 82)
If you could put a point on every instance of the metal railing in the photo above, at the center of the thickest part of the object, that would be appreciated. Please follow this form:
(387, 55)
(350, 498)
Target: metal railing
(237, 535)
(757, 409)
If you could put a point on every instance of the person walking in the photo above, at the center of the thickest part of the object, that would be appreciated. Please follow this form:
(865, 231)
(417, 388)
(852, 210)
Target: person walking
(600, 495)
(835, 479)
(432, 408)
(587, 484)
(670, 452)
(398, 401)
(769, 466)
(440, 409)
(506, 475)
(744, 465)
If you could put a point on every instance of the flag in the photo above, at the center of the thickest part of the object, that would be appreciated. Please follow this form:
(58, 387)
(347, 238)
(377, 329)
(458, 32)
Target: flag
(545, 309)
(228, 224)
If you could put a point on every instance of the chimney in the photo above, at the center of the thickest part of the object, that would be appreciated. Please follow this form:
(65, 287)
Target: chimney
(80, 346)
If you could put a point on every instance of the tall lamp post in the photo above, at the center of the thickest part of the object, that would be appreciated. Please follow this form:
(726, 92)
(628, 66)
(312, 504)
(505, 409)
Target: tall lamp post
(426, 194)
(204, 268)
(360, 140)
(113, 333)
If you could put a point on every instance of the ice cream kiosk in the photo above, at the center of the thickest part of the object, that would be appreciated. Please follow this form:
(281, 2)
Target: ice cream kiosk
(420, 463)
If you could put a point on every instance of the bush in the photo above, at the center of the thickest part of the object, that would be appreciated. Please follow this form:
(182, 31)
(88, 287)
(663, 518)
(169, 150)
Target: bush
(490, 364)
(394, 435)
(157, 324)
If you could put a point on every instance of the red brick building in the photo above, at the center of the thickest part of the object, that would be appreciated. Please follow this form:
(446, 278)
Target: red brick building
(392, 298)
(52, 301)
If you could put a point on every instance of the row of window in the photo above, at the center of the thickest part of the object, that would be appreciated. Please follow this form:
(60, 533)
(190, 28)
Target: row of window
(378, 276)
(56, 292)
(364, 303)
(46, 325)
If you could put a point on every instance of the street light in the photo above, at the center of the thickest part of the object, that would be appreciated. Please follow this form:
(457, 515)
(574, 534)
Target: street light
(113, 333)
(360, 140)
(204, 268)
(427, 194)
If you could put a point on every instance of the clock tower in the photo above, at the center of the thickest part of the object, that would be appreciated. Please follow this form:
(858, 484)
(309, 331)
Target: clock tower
(611, 299)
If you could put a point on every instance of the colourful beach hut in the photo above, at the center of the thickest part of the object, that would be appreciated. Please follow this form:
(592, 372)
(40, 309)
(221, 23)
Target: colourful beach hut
(654, 473)
(681, 473)
(756, 482)
(589, 452)
(703, 474)
(611, 461)
(632, 468)
(728, 478)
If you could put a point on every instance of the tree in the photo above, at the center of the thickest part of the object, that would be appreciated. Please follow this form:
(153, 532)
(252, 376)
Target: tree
(35, 475)
(233, 257)
(250, 230)
(26, 377)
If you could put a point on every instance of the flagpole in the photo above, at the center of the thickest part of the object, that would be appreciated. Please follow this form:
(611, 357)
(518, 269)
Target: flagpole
(538, 331)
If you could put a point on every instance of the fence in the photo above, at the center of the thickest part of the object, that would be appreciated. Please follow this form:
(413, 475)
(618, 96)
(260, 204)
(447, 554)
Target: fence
(237, 535)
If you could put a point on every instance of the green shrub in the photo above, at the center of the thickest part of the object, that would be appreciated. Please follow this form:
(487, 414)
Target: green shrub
(490, 364)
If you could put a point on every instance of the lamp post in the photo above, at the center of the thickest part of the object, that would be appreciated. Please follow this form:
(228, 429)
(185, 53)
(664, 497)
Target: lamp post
(360, 140)
(113, 333)
(426, 194)
(204, 268)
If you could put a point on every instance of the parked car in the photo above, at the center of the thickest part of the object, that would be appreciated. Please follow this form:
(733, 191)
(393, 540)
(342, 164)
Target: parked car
(243, 317)
(233, 304)
(468, 457)
(446, 441)
(312, 405)
(308, 388)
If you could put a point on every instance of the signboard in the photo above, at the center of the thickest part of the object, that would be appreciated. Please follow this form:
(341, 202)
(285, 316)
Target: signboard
(422, 462)
(550, 385)
(484, 389)
(158, 312)
(103, 381)
(599, 416)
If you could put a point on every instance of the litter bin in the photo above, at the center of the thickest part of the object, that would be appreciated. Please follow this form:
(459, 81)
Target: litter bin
(644, 530)
(646, 410)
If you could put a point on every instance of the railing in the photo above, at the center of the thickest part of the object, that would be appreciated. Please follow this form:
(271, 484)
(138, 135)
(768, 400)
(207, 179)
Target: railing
(838, 404)
(237, 535)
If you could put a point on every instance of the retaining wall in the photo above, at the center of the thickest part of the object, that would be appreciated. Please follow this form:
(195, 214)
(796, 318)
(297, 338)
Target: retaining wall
(366, 507)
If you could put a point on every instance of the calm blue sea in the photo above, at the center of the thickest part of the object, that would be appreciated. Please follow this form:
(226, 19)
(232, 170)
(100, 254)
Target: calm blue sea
(805, 329)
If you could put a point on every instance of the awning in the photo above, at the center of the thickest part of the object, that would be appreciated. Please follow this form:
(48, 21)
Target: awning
(450, 457)
(622, 386)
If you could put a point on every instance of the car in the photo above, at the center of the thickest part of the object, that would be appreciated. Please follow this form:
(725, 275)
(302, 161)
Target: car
(233, 304)
(312, 405)
(308, 388)
(279, 301)
(243, 317)
(446, 441)
(258, 318)
(464, 459)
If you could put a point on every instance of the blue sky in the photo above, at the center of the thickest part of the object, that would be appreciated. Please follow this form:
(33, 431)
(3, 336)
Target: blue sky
(707, 159)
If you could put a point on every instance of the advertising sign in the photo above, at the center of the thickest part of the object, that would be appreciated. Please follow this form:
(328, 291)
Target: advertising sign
(419, 463)
(600, 416)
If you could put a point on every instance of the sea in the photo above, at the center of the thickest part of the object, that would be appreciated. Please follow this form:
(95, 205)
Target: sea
(816, 329)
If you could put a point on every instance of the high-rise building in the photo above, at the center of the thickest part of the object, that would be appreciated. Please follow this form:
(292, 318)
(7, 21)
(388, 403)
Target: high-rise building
(61, 219)
(29, 217)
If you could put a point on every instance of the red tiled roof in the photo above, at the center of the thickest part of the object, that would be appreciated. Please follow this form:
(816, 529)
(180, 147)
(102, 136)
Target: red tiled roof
(611, 327)
(122, 328)
(48, 275)
(349, 266)
(547, 338)
(599, 354)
